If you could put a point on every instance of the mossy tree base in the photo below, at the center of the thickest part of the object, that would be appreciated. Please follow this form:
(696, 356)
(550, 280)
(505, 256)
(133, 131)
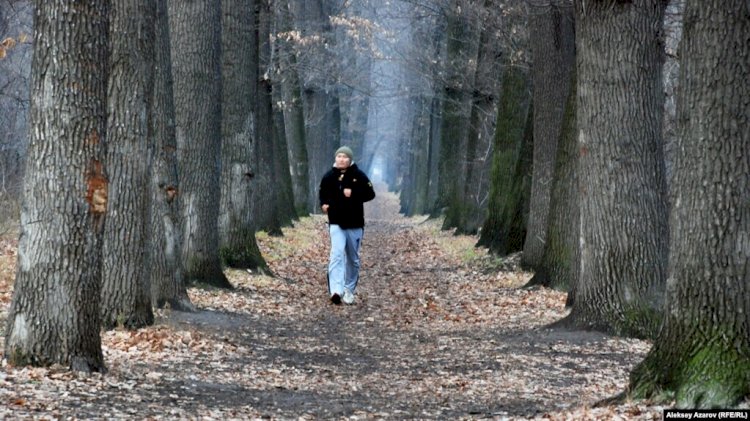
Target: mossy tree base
(712, 376)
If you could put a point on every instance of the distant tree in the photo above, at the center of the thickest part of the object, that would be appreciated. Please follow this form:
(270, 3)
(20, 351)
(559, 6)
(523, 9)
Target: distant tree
(15, 68)
(419, 176)
(319, 96)
(624, 233)
(239, 248)
(54, 316)
(504, 228)
(266, 203)
(414, 185)
(165, 237)
(479, 141)
(462, 48)
(288, 83)
(195, 29)
(552, 41)
(282, 179)
(354, 32)
(701, 357)
(126, 292)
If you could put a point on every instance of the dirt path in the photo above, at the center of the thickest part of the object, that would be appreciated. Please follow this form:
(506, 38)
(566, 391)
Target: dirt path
(429, 337)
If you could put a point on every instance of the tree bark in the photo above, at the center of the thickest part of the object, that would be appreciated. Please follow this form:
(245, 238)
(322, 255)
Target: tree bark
(239, 248)
(320, 103)
(701, 357)
(287, 212)
(552, 39)
(462, 49)
(294, 121)
(126, 295)
(196, 46)
(559, 265)
(267, 203)
(165, 239)
(624, 229)
(503, 230)
(481, 129)
(54, 316)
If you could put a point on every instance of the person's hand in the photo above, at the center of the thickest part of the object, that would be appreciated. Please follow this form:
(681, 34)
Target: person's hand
(348, 192)
(324, 208)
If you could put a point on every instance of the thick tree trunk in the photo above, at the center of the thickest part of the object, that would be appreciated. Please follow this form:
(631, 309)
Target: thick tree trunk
(552, 39)
(165, 239)
(504, 228)
(54, 316)
(196, 65)
(701, 357)
(624, 234)
(559, 265)
(239, 248)
(126, 292)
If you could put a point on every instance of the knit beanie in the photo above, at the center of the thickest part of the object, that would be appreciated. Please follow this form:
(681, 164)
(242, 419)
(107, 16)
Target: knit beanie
(346, 151)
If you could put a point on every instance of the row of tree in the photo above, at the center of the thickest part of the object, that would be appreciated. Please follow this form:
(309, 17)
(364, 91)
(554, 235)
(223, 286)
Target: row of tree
(647, 243)
(640, 214)
(539, 124)
(160, 139)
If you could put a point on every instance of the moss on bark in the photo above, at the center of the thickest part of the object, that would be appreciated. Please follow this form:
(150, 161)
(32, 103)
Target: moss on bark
(710, 375)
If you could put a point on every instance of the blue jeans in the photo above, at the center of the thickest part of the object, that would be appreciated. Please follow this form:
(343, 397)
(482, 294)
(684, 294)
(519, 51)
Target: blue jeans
(343, 266)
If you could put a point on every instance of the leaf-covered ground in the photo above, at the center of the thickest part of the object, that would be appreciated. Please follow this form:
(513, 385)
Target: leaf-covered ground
(439, 330)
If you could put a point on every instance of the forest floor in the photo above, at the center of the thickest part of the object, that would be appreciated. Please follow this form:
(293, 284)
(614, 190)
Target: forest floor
(439, 330)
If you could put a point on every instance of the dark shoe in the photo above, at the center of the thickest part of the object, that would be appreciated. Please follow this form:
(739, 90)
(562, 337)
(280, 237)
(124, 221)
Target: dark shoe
(336, 298)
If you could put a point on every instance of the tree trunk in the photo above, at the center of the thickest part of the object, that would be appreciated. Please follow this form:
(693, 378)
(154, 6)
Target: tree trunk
(701, 357)
(322, 122)
(294, 121)
(126, 295)
(196, 46)
(552, 39)
(54, 315)
(504, 228)
(287, 212)
(322, 140)
(420, 158)
(267, 202)
(624, 233)
(239, 248)
(165, 239)
(559, 265)
(434, 139)
(462, 49)
(423, 158)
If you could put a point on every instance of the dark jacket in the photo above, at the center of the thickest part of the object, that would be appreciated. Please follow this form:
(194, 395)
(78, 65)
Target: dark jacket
(346, 212)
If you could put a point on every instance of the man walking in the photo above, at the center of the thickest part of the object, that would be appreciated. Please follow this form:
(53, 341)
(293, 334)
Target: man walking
(343, 191)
